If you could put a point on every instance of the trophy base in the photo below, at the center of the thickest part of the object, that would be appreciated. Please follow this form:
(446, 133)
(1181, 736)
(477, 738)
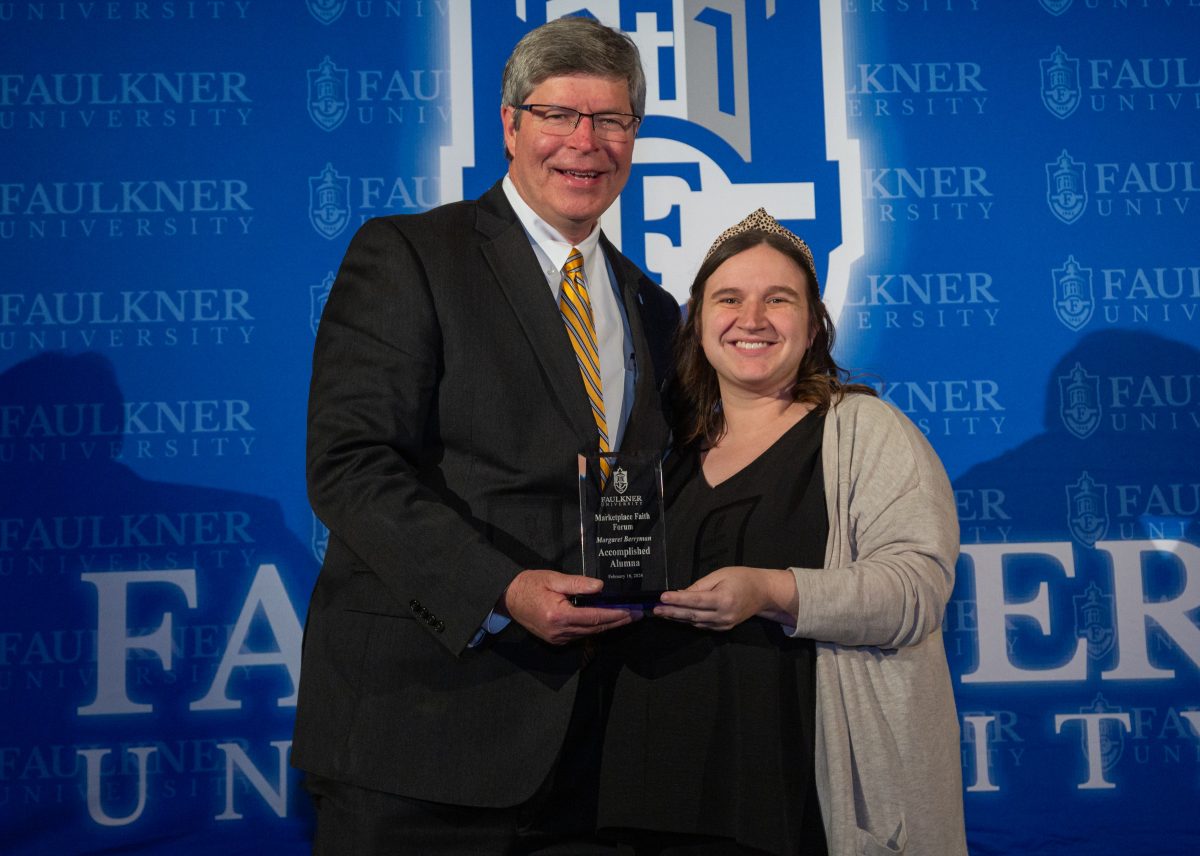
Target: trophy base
(617, 599)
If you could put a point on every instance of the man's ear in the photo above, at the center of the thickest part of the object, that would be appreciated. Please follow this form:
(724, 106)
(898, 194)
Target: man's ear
(508, 121)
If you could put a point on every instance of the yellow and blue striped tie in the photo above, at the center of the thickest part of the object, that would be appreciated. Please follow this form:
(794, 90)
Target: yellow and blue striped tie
(576, 308)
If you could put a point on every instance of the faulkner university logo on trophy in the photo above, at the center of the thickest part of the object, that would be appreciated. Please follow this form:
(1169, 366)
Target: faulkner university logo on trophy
(622, 527)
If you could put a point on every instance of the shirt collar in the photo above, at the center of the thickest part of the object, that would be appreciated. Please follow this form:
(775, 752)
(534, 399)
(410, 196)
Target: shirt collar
(554, 245)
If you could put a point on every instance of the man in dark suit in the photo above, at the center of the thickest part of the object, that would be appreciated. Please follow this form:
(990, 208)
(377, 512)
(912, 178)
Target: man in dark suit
(446, 704)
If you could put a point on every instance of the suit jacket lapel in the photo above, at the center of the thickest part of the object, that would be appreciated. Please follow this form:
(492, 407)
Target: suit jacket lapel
(646, 429)
(515, 267)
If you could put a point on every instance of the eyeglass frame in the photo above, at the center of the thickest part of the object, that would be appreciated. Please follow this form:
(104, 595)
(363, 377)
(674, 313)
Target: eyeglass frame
(580, 116)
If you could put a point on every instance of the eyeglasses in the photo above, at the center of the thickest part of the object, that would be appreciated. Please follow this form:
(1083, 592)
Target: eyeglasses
(562, 122)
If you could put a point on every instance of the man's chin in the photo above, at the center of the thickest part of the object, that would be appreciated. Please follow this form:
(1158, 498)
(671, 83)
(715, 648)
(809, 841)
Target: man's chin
(585, 212)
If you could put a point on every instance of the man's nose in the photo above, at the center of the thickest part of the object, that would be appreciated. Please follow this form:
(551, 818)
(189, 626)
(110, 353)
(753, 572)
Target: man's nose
(584, 135)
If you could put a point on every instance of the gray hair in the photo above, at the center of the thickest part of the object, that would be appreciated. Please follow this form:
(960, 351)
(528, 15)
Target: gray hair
(573, 46)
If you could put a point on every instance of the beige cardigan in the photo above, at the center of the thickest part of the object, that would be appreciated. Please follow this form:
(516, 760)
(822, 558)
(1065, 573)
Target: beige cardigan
(887, 753)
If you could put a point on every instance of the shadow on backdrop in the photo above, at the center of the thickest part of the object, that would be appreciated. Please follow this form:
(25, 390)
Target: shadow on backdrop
(1111, 490)
(150, 637)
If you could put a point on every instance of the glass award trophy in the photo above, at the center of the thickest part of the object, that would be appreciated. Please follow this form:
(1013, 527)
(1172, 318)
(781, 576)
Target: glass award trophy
(623, 528)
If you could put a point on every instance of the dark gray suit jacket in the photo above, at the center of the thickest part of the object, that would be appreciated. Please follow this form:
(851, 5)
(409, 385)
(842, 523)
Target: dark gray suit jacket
(445, 414)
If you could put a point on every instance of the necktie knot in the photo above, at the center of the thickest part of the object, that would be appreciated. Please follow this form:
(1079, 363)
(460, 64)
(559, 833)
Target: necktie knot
(574, 263)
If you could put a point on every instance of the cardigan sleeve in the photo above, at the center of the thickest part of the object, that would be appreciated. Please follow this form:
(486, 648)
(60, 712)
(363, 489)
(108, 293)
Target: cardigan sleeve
(893, 533)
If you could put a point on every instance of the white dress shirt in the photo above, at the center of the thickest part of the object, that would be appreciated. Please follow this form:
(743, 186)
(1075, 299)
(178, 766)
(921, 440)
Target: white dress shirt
(618, 371)
(613, 339)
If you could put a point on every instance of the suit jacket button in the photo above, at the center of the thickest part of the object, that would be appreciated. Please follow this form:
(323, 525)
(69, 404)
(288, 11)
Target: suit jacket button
(439, 625)
(414, 605)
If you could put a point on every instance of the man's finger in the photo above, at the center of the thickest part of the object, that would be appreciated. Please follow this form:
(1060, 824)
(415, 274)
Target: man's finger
(573, 584)
(593, 616)
(590, 619)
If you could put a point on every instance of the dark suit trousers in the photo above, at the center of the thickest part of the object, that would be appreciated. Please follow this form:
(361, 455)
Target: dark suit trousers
(559, 820)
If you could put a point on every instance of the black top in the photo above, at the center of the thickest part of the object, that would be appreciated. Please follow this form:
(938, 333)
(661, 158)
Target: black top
(712, 733)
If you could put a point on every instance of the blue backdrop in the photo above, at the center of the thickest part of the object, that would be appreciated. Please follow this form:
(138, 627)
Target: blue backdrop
(1003, 196)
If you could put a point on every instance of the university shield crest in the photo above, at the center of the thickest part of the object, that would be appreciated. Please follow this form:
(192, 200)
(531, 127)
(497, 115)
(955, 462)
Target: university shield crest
(329, 202)
(1066, 192)
(1060, 83)
(708, 150)
(1094, 620)
(1087, 504)
(1073, 297)
(1079, 401)
(328, 102)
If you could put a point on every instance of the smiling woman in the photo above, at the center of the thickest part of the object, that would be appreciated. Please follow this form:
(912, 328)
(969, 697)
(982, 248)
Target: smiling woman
(796, 697)
(755, 323)
(756, 298)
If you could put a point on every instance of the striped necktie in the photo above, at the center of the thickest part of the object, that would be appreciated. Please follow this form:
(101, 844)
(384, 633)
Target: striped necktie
(576, 308)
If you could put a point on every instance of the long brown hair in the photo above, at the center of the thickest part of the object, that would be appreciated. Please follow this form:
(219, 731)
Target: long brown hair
(819, 380)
